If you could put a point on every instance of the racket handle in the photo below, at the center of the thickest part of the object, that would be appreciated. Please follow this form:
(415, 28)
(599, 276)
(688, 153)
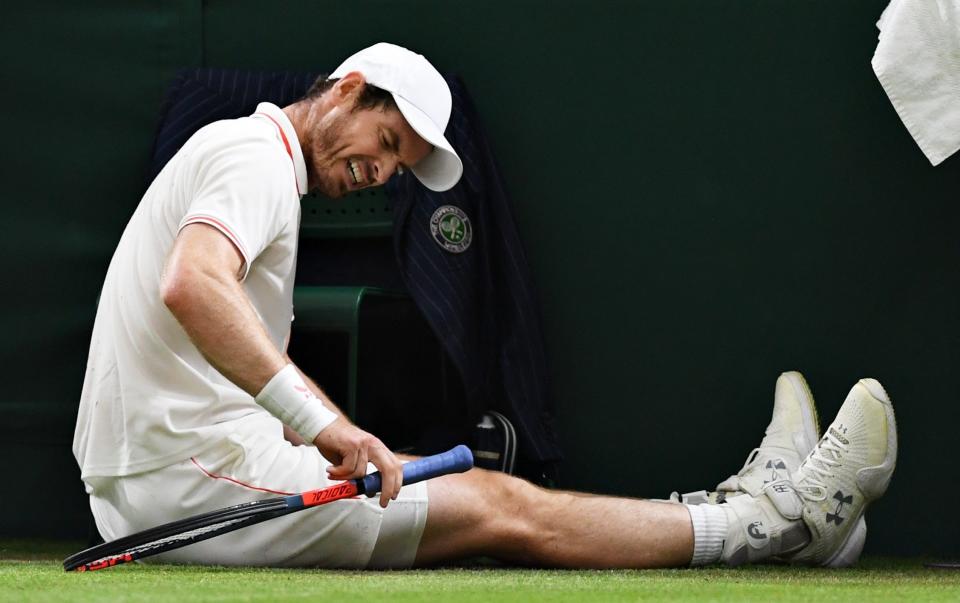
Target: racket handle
(455, 460)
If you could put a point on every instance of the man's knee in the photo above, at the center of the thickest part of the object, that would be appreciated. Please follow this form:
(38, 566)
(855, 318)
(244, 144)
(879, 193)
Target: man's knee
(502, 495)
(479, 513)
(520, 517)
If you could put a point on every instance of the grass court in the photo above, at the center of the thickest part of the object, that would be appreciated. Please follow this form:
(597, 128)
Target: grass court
(31, 571)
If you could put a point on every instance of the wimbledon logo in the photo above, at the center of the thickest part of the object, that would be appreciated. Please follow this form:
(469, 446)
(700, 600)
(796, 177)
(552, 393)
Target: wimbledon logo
(451, 228)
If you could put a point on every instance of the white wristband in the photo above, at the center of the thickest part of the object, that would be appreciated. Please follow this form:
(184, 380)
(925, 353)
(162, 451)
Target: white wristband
(289, 399)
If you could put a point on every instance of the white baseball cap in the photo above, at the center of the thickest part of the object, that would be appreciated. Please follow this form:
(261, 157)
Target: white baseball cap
(423, 97)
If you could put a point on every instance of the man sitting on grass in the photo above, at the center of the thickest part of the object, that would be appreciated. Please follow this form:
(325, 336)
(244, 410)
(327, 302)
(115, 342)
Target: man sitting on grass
(190, 402)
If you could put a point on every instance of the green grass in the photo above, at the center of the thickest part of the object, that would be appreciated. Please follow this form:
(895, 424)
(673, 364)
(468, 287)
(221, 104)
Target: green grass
(31, 571)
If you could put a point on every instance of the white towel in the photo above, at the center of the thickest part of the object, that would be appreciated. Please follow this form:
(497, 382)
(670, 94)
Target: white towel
(918, 63)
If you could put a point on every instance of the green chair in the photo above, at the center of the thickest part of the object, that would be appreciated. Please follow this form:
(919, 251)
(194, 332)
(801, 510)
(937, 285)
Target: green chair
(336, 308)
(365, 213)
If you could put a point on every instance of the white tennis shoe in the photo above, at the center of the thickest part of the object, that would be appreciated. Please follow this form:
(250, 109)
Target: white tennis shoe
(849, 468)
(791, 435)
(766, 522)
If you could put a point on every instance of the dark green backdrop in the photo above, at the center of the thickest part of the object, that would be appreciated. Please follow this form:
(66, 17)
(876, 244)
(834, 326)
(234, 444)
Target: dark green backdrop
(710, 192)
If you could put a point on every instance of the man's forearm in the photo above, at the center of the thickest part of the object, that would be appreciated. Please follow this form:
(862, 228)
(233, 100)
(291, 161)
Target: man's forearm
(201, 289)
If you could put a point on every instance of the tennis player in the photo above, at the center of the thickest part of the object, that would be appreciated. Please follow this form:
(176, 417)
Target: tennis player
(190, 402)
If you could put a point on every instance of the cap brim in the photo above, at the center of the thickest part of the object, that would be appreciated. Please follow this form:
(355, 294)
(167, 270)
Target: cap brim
(441, 169)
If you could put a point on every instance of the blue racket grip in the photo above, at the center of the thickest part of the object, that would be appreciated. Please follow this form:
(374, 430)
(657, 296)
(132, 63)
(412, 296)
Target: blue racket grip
(455, 460)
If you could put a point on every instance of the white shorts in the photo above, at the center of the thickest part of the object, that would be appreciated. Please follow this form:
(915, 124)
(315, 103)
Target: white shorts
(255, 462)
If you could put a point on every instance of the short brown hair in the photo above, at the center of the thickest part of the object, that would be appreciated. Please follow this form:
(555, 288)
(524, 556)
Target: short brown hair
(370, 98)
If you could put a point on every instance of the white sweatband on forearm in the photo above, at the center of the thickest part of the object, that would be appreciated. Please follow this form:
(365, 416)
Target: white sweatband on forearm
(289, 399)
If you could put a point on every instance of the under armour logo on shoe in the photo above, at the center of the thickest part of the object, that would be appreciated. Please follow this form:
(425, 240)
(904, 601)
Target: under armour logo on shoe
(841, 500)
(838, 432)
(773, 465)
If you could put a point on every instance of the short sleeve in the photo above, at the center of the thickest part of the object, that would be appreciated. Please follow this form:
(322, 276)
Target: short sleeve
(241, 189)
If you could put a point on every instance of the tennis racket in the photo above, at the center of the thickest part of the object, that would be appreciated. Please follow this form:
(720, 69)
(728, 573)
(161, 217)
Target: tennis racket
(186, 531)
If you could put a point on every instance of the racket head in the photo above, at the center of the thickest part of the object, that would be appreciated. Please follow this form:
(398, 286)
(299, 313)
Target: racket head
(176, 534)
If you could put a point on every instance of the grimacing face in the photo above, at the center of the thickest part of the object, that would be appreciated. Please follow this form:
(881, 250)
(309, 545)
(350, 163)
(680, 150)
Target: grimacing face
(354, 149)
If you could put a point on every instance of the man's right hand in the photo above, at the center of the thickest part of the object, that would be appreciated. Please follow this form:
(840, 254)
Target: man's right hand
(349, 448)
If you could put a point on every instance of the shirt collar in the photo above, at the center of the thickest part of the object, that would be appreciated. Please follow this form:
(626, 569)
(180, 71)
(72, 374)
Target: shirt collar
(299, 165)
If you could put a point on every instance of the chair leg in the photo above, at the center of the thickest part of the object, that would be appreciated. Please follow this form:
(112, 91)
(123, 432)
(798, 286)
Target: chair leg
(353, 369)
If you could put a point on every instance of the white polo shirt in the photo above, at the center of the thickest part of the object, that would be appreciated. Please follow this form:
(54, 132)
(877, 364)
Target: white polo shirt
(149, 397)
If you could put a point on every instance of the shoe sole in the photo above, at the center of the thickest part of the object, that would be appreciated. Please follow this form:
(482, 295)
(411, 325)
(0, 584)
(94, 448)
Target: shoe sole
(849, 551)
(808, 410)
(890, 462)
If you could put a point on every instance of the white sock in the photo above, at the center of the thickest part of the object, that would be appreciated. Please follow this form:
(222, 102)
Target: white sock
(709, 532)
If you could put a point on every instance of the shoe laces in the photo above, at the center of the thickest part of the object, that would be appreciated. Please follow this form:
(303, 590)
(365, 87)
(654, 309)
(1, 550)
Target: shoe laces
(819, 466)
(753, 460)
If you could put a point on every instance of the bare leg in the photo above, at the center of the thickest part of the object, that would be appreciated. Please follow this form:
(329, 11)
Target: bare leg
(495, 515)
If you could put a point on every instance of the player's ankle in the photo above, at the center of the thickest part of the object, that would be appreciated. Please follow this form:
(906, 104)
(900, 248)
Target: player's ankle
(710, 527)
(748, 529)
(763, 527)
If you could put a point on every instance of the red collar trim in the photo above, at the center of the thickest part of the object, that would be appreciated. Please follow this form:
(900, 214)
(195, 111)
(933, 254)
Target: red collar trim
(286, 143)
